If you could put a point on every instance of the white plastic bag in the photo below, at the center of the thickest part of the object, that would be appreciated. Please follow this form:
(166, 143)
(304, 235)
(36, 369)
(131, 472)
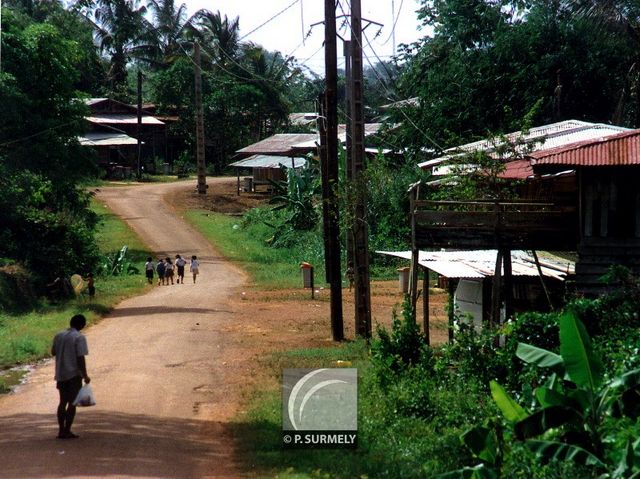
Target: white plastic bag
(85, 397)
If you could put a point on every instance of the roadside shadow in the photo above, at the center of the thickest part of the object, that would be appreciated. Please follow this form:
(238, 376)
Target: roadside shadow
(115, 444)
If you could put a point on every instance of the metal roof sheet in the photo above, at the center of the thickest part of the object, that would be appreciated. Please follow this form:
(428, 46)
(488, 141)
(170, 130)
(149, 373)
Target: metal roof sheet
(106, 139)
(311, 143)
(369, 129)
(278, 144)
(481, 263)
(620, 150)
(268, 161)
(303, 118)
(93, 101)
(538, 139)
(517, 170)
(122, 118)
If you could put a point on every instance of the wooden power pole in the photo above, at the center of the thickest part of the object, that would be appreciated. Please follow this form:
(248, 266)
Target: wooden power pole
(139, 124)
(348, 147)
(202, 172)
(360, 227)
(330, 172)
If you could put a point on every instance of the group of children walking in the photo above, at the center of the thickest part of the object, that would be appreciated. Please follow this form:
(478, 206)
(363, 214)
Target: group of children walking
(166, 269)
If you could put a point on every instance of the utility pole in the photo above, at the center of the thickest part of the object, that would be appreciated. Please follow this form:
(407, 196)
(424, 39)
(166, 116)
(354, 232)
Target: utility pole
(393, 28)
(360, 226)
(348, 147)
(330, 172)
(202, 173)
(139, 125)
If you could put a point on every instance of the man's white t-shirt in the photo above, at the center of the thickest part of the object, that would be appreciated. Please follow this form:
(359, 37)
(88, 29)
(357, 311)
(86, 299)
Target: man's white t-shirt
(68, 345)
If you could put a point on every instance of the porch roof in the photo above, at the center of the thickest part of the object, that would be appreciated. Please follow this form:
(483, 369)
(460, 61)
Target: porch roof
(482, 263)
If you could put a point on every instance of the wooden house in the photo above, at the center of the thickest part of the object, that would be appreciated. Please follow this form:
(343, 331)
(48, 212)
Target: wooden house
(606, 190)
(577, 197)
(264, 158)
(115, 124)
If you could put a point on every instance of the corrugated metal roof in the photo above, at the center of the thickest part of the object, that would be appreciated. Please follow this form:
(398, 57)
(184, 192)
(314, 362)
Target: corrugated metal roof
(517, 170)
(106, 139)
(369, 129)
(541, 138)
(122, 118)
(482, 263)
(619, 150)
(303, 118)
(93, 101)
(268, 161)
(279, 144)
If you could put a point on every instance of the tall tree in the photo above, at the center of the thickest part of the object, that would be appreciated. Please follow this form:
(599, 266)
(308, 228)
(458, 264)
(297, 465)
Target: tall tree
(173, 29)
(121, 31)
(220, 38)
(270, 73)
(45, 221)
(493, 63)
(623, 18)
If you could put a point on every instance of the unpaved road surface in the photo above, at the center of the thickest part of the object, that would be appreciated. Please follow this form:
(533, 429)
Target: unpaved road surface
(165, 368)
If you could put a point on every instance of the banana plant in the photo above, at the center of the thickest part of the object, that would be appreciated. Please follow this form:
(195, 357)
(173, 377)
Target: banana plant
(297, 195)
(568, 423)
(573, 404)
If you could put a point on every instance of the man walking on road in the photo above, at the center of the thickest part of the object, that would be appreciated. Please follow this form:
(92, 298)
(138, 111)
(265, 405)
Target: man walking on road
(70, 348)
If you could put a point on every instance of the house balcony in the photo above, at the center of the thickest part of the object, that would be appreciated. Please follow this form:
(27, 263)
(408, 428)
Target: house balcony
(479, 225)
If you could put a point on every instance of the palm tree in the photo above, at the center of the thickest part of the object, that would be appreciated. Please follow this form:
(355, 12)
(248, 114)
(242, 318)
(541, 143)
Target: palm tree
(120, 30)
(220, 38)
(173, 30)
(272, 74)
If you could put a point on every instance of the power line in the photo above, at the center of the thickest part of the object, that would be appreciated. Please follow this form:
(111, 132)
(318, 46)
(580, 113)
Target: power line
(392, 94)
(7, 143)
(393, 29)
(270, 19)
(387, 90)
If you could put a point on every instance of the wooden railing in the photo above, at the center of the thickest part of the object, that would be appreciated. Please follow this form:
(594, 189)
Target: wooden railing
(513, 224)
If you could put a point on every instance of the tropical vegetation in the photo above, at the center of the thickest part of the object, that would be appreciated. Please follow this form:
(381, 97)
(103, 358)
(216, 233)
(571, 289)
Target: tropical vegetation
(558, 400)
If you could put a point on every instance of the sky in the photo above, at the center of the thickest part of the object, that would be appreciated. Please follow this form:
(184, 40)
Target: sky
(286, 31)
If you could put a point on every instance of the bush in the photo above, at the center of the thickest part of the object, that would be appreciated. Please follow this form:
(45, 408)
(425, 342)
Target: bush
(16, 292)
(404, 346)
(49, 231)
(184, 165)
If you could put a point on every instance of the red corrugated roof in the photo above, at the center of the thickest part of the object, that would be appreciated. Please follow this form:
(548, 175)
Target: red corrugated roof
(517, 170)
(618, 150)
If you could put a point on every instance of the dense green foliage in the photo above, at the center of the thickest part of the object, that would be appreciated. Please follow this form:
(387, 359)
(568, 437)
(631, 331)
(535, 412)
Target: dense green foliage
(488, 64)
(46, 223)
(386, 183)
(423, 411)
(244, 93)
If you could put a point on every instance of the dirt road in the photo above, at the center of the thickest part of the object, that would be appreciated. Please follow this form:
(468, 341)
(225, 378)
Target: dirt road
(163, 367)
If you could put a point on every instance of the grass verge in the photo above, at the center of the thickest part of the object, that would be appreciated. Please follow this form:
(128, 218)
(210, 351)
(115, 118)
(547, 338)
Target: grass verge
(392, 441)
(27, 337)
(258, 430)
(245, 245)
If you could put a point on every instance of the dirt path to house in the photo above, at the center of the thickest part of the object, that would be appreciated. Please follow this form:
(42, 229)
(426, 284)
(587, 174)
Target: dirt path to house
(169, 367)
